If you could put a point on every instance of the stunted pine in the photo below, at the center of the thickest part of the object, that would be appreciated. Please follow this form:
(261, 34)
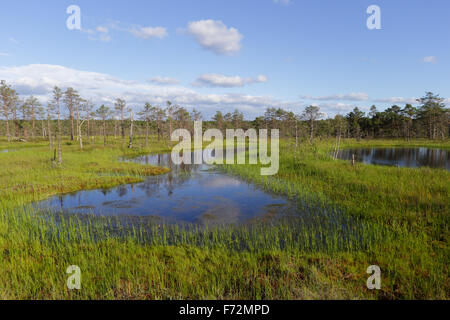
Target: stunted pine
(104, 113)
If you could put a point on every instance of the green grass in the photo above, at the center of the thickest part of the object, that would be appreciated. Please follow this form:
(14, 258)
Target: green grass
(355, 216)
(411, 205)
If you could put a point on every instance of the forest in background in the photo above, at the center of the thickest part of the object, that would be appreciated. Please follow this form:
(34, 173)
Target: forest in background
(68, 114)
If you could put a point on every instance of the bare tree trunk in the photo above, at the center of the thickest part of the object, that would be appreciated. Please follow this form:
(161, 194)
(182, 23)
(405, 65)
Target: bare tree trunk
(78, 121)
(43, 128)
(71, 124)
(7, 127)
(159, 130)
(88, 125)
(16, 124)
(122, 127)
(170, 127)
(59, 136)
(94, 131)
(104, 133)
(130, 144)
(80, 138)
(33, 126)
(50, 141)
(146, 133)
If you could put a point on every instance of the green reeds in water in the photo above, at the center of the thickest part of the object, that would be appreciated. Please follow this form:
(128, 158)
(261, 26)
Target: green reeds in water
(309, 229)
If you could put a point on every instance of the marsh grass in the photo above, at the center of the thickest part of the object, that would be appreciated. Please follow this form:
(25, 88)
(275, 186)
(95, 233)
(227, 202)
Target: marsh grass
(350, 217)
(411, 205)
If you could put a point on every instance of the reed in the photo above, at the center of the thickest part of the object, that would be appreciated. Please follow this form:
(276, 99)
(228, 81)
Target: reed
(349, 217)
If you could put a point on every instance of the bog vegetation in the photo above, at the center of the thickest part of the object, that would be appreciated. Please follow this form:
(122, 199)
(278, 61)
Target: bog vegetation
(350, 216)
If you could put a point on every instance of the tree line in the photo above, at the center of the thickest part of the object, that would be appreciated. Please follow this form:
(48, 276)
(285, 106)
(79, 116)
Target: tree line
(430, 119)
(69, 114)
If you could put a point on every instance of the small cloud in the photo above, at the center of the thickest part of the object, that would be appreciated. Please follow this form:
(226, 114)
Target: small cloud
(397, 100)
(88, 31)
(215, 36)
(261, 79)
(102, 29)
(430, 59)
(354, 96)
(100, 33)
(283, 2)
(221, 81)
(13, 40)
(4, 54)
(331, 109)
(164, 80)
(149, 32)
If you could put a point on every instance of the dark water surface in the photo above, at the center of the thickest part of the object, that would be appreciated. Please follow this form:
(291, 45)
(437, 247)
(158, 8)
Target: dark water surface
(189, 193)
(402, 157)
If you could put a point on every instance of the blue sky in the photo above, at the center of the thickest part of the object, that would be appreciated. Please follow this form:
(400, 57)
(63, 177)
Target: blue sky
(227, 54)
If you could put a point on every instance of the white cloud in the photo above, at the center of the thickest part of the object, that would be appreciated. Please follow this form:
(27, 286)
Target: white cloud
(430, 59)
(332, 109)
(4, 54)
(103, 32)
(39, 80)
(149, 32)
(218, 80)
(337, 108)
(215, 36)
(164, 80)
(102, 29)
(100, 33)
(397, 100)
(358, 96)
(261, 79)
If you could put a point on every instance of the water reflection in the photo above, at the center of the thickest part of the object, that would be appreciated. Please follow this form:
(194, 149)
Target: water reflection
(402, 157)
(188, 193)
